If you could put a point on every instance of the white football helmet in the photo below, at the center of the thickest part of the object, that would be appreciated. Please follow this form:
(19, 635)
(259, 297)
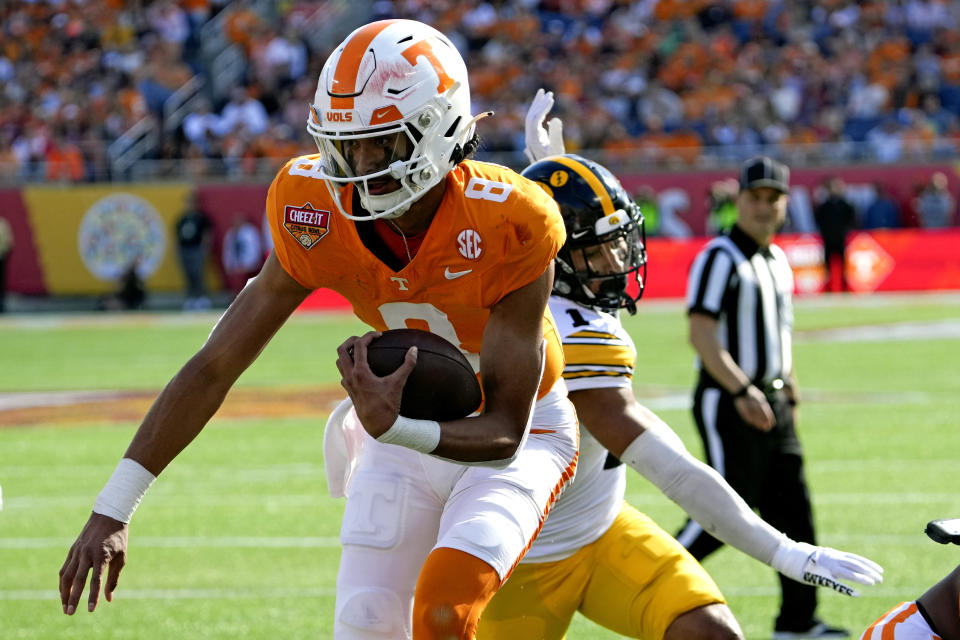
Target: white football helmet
(392, 77)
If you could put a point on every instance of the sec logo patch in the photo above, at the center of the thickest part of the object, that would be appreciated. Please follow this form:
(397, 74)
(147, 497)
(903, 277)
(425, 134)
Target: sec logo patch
(470, 244)
(306, 224)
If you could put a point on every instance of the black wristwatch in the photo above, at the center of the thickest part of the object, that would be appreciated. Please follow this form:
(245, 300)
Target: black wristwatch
(742, 391)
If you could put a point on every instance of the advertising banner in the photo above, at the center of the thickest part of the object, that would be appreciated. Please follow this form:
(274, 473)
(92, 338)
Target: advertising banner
(883, 260)
(24, 274)
(78, 240)
(88, 236)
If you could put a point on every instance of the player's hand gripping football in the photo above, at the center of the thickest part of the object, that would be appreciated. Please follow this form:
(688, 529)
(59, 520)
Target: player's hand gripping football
(102, 542)
(376, 399)
(542, 142)
(825, 567)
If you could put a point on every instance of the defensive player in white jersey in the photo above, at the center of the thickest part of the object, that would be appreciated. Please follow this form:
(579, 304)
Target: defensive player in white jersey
(596, 554)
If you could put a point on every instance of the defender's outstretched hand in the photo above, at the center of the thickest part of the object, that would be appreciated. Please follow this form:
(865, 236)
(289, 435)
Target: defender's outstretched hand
(102, 542)
(542, 142)
(825, 567)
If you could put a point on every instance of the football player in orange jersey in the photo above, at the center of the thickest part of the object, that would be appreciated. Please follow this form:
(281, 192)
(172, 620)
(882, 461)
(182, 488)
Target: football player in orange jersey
(936, 614)
(596, 554)
(392, 215)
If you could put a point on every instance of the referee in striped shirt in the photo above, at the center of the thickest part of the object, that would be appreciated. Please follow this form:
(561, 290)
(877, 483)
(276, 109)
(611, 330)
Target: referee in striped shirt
(741, 316)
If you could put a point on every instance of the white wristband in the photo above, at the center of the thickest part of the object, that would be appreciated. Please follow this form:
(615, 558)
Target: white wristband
(419, 435)
(791, 558)
(124, 490)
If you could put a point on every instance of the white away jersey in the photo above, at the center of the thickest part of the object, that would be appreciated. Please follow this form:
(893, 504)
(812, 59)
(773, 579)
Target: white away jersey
(598, 353)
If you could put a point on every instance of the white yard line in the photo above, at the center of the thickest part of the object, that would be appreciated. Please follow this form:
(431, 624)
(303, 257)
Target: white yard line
(183, 594)
(933, 330)
(189, 542)
(824, 497)
(183, 470)
(271, 593)
(333, 542)
(212, 501)
(684, 400)
(872, 592)
(180, 501)
(96, 320)
(877, 300)
(31, 399)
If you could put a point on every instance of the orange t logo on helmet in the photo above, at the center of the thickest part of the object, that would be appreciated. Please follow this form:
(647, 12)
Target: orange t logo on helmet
(345, 78)
(424, 49)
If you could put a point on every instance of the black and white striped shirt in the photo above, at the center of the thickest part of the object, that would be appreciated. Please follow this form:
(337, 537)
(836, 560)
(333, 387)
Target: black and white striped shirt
(748, 290)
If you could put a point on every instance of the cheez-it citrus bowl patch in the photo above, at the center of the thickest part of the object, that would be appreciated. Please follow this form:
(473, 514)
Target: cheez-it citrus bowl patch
(306, 224)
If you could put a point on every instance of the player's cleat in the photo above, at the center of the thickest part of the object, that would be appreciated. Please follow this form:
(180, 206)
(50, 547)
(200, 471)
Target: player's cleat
(819, 629)
(944, 531)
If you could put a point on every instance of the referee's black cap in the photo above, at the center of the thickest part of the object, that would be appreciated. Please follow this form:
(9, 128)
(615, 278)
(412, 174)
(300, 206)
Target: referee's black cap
(764, 171)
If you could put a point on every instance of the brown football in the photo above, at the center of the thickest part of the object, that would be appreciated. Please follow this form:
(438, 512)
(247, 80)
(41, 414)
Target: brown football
(443, 385)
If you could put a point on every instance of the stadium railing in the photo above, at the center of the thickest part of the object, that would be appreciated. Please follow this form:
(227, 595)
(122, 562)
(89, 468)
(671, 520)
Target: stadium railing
(130, 161)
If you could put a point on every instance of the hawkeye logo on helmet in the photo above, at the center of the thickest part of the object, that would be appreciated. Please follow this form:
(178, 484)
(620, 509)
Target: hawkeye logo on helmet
(306, 224)
(338, 116)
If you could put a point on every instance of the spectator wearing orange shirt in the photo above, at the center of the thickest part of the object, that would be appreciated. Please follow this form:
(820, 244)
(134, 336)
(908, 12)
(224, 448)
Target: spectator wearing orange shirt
(240, 23)
(64, 162)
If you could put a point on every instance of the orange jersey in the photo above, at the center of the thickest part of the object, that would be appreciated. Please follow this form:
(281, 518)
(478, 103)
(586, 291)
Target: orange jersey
(903, 622)
(493, 233)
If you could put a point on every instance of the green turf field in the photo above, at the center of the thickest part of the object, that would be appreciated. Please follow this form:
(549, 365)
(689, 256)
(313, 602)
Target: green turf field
(238, 539)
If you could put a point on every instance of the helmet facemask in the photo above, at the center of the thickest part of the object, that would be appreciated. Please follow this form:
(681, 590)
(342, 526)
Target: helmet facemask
(607, 268)
(411, 161)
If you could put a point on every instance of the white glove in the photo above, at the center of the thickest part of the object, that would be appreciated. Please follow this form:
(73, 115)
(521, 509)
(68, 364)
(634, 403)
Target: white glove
(542, 143)
(825, 567)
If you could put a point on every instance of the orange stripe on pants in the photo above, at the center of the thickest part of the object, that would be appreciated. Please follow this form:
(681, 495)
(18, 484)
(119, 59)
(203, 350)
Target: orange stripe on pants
(565, 479)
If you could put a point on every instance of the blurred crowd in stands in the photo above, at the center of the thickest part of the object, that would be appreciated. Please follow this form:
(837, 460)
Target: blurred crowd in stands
(76, 75)
(832, 204)
(649, 83)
